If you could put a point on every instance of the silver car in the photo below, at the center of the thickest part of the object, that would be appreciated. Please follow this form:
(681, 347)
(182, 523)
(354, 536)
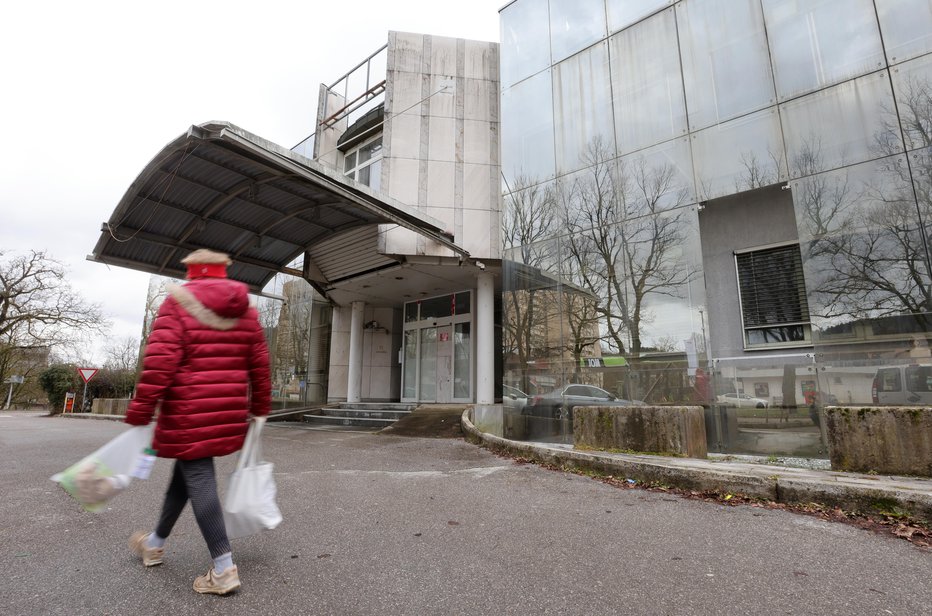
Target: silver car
(559, 403)
(742, 400)
(513, 398)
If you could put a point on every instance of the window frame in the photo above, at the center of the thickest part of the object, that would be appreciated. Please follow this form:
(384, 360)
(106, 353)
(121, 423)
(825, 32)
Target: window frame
(353, 172)
(803, 308)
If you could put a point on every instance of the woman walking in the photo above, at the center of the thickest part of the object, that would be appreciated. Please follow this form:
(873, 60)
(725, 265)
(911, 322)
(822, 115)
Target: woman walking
(206, 366)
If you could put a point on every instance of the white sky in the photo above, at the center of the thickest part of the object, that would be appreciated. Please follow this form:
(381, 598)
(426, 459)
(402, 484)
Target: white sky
(91, 91)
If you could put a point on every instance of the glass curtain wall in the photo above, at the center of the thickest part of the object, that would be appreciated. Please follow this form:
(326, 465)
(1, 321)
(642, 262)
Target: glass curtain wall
(298, 332)
(774, 127)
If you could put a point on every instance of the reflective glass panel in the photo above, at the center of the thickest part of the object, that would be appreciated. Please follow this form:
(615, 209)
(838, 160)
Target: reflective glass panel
(526, 298)
(525, 47)
(818, 43)
(864, 255)
(436, 307)
(906, 26)
(529, 216)
(461, 303)
(755, 398)
(410, 374)
(574, 25)
(428, 364)
(582, 107)
(527, 130)
(921, 165)
(665, 172)
(647, 84)
(676, 289)
(738, 155)
(842, 125)
(411, 312)
(912, 86)
(726, 65)
(461, 361)
(375, 175)
(623, 13)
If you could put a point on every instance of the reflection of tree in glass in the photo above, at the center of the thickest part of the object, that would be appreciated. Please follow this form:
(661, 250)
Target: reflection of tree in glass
(865, 246)
(527, 223)
(293, 331)
(624, 237)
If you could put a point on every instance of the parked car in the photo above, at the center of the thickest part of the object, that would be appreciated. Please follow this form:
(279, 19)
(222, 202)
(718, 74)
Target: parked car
(742, 400)
(513, 398)
(907, 385)
(559, 403)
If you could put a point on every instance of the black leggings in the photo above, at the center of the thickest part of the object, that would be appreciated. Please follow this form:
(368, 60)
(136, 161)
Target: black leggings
(195, 480)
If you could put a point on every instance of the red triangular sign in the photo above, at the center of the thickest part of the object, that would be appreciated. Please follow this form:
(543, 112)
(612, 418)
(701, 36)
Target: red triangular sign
(87, 373)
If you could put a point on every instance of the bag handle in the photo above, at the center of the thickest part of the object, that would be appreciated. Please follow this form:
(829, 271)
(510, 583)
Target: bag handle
(251, 453)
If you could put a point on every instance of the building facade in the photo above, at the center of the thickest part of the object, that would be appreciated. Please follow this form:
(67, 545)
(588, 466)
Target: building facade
(734, 193)
(417, 122)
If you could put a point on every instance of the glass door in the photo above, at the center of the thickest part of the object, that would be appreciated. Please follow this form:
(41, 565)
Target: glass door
(427, 392)
(437, 355)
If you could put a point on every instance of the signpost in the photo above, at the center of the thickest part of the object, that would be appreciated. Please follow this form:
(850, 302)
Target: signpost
(86, 374)
(13, 379)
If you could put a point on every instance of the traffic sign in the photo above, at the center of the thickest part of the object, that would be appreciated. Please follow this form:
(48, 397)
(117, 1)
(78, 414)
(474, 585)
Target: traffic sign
(87, 373)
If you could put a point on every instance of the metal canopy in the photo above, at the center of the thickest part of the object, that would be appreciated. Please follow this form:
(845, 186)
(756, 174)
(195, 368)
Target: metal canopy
(220, 187)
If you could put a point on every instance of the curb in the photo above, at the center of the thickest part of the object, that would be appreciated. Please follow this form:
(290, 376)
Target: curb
(853, 492)
(91, 416)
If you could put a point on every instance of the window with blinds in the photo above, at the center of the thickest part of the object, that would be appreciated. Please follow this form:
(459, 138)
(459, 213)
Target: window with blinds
(774, 310)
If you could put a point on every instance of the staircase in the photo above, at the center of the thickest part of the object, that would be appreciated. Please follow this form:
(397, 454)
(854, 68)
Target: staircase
(370, 415)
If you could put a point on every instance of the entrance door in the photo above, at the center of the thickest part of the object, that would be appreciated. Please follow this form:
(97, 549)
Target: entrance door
(435, 364)
(437, 352)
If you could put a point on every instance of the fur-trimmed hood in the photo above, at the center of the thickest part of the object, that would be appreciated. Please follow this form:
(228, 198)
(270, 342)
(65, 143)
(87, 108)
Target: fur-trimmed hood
(218, 303)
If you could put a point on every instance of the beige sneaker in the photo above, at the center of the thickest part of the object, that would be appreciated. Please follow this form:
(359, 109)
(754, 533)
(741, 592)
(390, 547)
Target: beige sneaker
(214, 584)
(150, 556)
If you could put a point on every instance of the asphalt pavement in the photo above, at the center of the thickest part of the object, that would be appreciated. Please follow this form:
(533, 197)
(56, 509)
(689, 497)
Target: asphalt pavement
(379, 524)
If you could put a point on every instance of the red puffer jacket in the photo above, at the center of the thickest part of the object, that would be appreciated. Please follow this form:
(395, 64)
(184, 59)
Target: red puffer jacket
(207, 362)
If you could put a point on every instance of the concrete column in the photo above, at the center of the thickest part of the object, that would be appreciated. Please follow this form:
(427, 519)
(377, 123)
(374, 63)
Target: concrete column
(354, 371)
(485, 339)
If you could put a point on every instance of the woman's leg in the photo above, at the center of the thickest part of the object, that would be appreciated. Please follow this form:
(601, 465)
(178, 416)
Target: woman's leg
(176, 496)
(201, 482)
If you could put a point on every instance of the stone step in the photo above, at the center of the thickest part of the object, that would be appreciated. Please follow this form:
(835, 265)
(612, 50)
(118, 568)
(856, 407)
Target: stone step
(331, 420)
(379, 413)
(378, 406)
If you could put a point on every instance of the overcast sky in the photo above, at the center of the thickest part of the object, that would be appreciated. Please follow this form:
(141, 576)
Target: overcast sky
(92, 90)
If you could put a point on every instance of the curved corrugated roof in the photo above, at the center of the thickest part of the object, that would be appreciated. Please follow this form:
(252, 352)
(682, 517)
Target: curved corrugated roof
(220, 187)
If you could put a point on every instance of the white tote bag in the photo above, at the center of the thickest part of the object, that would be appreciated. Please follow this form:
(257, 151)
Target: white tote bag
(249, 504)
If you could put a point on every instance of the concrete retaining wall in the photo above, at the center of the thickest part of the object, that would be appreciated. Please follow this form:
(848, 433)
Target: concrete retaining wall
(855, 493)
(109, 406)
(669, 430)
(889, 440)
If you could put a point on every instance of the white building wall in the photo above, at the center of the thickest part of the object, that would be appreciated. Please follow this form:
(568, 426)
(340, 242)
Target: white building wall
(441, 141)
(381, 376)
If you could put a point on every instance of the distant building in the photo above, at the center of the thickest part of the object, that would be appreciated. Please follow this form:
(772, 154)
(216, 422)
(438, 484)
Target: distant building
(22, 365)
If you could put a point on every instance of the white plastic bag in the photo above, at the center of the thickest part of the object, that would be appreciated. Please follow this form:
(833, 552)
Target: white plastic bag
(97, 478)
(249, 504)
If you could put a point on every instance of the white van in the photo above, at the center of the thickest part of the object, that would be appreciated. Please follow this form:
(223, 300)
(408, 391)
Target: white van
(907, 385)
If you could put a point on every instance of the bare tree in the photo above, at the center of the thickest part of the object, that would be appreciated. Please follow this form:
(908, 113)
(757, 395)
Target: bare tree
(528, 224)
(625, 230)
(867, 248)
(122, 354)
(39, 309)
(294, 327)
